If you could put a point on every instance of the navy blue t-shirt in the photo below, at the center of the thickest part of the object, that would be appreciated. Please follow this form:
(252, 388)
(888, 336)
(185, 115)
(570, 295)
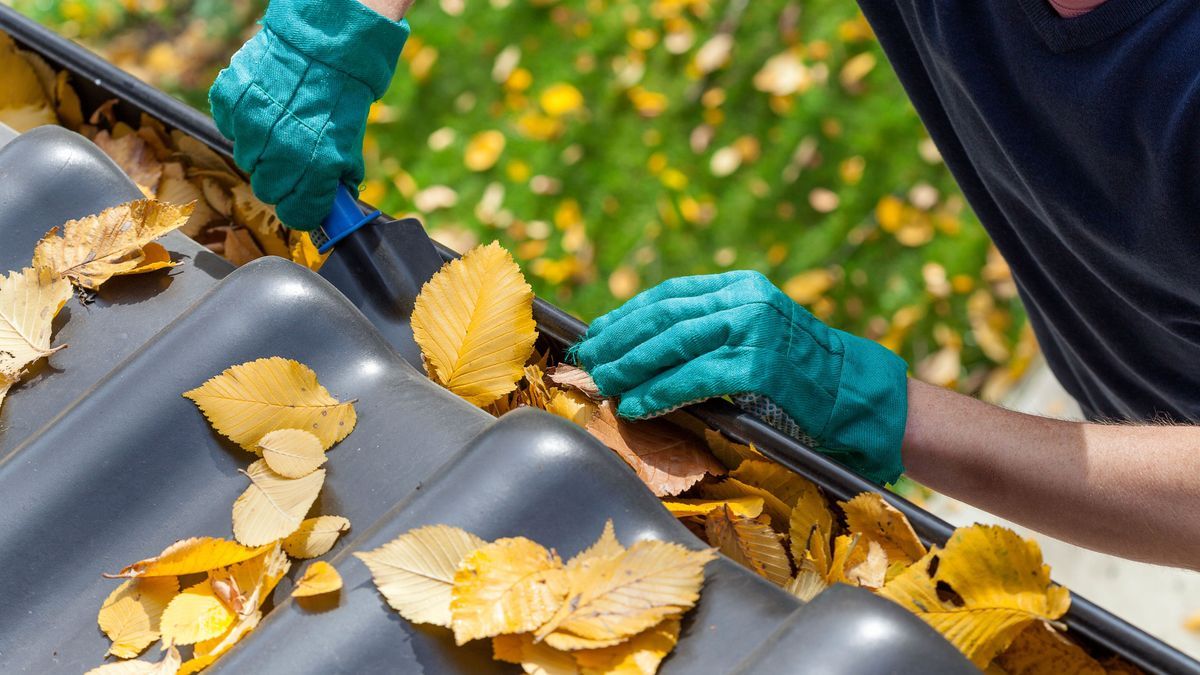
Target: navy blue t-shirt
(1077, 143)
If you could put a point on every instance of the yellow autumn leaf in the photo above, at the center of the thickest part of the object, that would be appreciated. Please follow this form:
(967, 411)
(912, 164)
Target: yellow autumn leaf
(190, 556)
(252, 581)
(206, 653)
(415, 571)
(876, 520)
(292, 453)
(169, 665)
(750, 543)
(511, 585)
(606, 546)
(154, 257)
(810, 527)
(273, 506)
(94, 249)
(571, 405)
(981, 591)
(746, 507)
(871, 570)
(727, 452)
(640, 655)
(248, 401)
(305, 253)
(732, 488)
(130, 614)
(320, 578)
(315, 536)
(1042, 650)
(616, 597)
(845, 547)
(29, 301)
(474, 323)
(807, 583)
(484, 150)
(23, 101)
(6, 383)
(196, 614)
(535, 658)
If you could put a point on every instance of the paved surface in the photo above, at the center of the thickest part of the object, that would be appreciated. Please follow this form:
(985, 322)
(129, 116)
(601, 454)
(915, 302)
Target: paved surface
(1156, 599)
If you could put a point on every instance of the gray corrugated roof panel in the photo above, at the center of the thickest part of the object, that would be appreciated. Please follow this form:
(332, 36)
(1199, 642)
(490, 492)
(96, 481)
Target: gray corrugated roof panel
(113, 464)
(102, 461)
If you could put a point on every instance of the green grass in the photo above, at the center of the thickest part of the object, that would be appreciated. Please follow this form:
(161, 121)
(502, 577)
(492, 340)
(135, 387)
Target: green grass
(648, 205)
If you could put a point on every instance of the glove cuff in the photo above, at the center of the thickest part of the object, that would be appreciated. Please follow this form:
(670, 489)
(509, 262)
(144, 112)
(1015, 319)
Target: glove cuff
(345, 35)
(871, 410)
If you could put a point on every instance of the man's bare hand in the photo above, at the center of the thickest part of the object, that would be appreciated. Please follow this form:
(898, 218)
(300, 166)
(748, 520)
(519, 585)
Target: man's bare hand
(392, 9)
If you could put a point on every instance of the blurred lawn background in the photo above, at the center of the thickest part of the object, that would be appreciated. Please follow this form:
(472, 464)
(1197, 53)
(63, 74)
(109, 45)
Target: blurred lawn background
(612, 144)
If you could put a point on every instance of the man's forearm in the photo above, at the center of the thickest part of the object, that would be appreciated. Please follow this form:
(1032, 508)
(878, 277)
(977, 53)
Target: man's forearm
(1128, 490)
(392, 9)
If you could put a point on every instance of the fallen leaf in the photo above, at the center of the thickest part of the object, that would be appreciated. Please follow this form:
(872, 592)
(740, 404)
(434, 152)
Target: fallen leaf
(292, 453)
(808, 582)
(571, 405)
(415, 571)
(640, 655)
(474, 323)
(305, 253)
(131, 613)
(727, 452)
(746, 507)
(154, 257)
(981, 591)
(320, 578)
(240, 247)
(810, 528)
(616, 597)
(29, 301)
(248, 401)
(876, 520)
(508, 586)
(175, 188)
(273, 506)
(535, 658)
(1041, 650)
(749, 543)
(190, 556)
(196, 614)
(206, 653)
(606, 546)
(169, 665)
(732, 488)
(571, 377)
(665, 459)
(135, 158)
(315, 536)
(23, 101)
(253, 581)
(871, 571)
(94, 249)
(846, 553)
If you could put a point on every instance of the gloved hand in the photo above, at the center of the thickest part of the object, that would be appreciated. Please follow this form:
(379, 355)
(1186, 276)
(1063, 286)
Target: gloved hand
(695, 338)
(295, 99)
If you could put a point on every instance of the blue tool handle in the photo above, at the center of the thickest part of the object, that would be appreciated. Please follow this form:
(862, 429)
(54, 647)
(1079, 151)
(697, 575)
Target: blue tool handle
(344, 220)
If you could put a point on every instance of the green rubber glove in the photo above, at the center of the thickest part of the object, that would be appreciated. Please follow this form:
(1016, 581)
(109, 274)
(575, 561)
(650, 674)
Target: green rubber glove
(295, 98)
(695, 338)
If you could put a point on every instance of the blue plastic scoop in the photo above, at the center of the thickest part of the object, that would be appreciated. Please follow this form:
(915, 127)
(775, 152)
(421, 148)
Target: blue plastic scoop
(344, 220)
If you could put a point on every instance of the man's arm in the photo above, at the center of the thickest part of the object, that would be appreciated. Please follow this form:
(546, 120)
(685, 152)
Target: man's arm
(1129, 490)
(392, 9)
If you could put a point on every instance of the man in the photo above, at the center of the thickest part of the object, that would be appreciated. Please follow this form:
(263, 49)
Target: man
(1072, 128)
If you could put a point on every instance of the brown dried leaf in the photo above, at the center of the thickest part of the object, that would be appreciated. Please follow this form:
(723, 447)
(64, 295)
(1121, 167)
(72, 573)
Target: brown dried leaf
(667, 460)
(571, 377)
(749, 543)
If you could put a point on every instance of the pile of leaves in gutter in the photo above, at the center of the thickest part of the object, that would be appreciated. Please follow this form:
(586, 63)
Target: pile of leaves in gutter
(987, 590)
(167, 165)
